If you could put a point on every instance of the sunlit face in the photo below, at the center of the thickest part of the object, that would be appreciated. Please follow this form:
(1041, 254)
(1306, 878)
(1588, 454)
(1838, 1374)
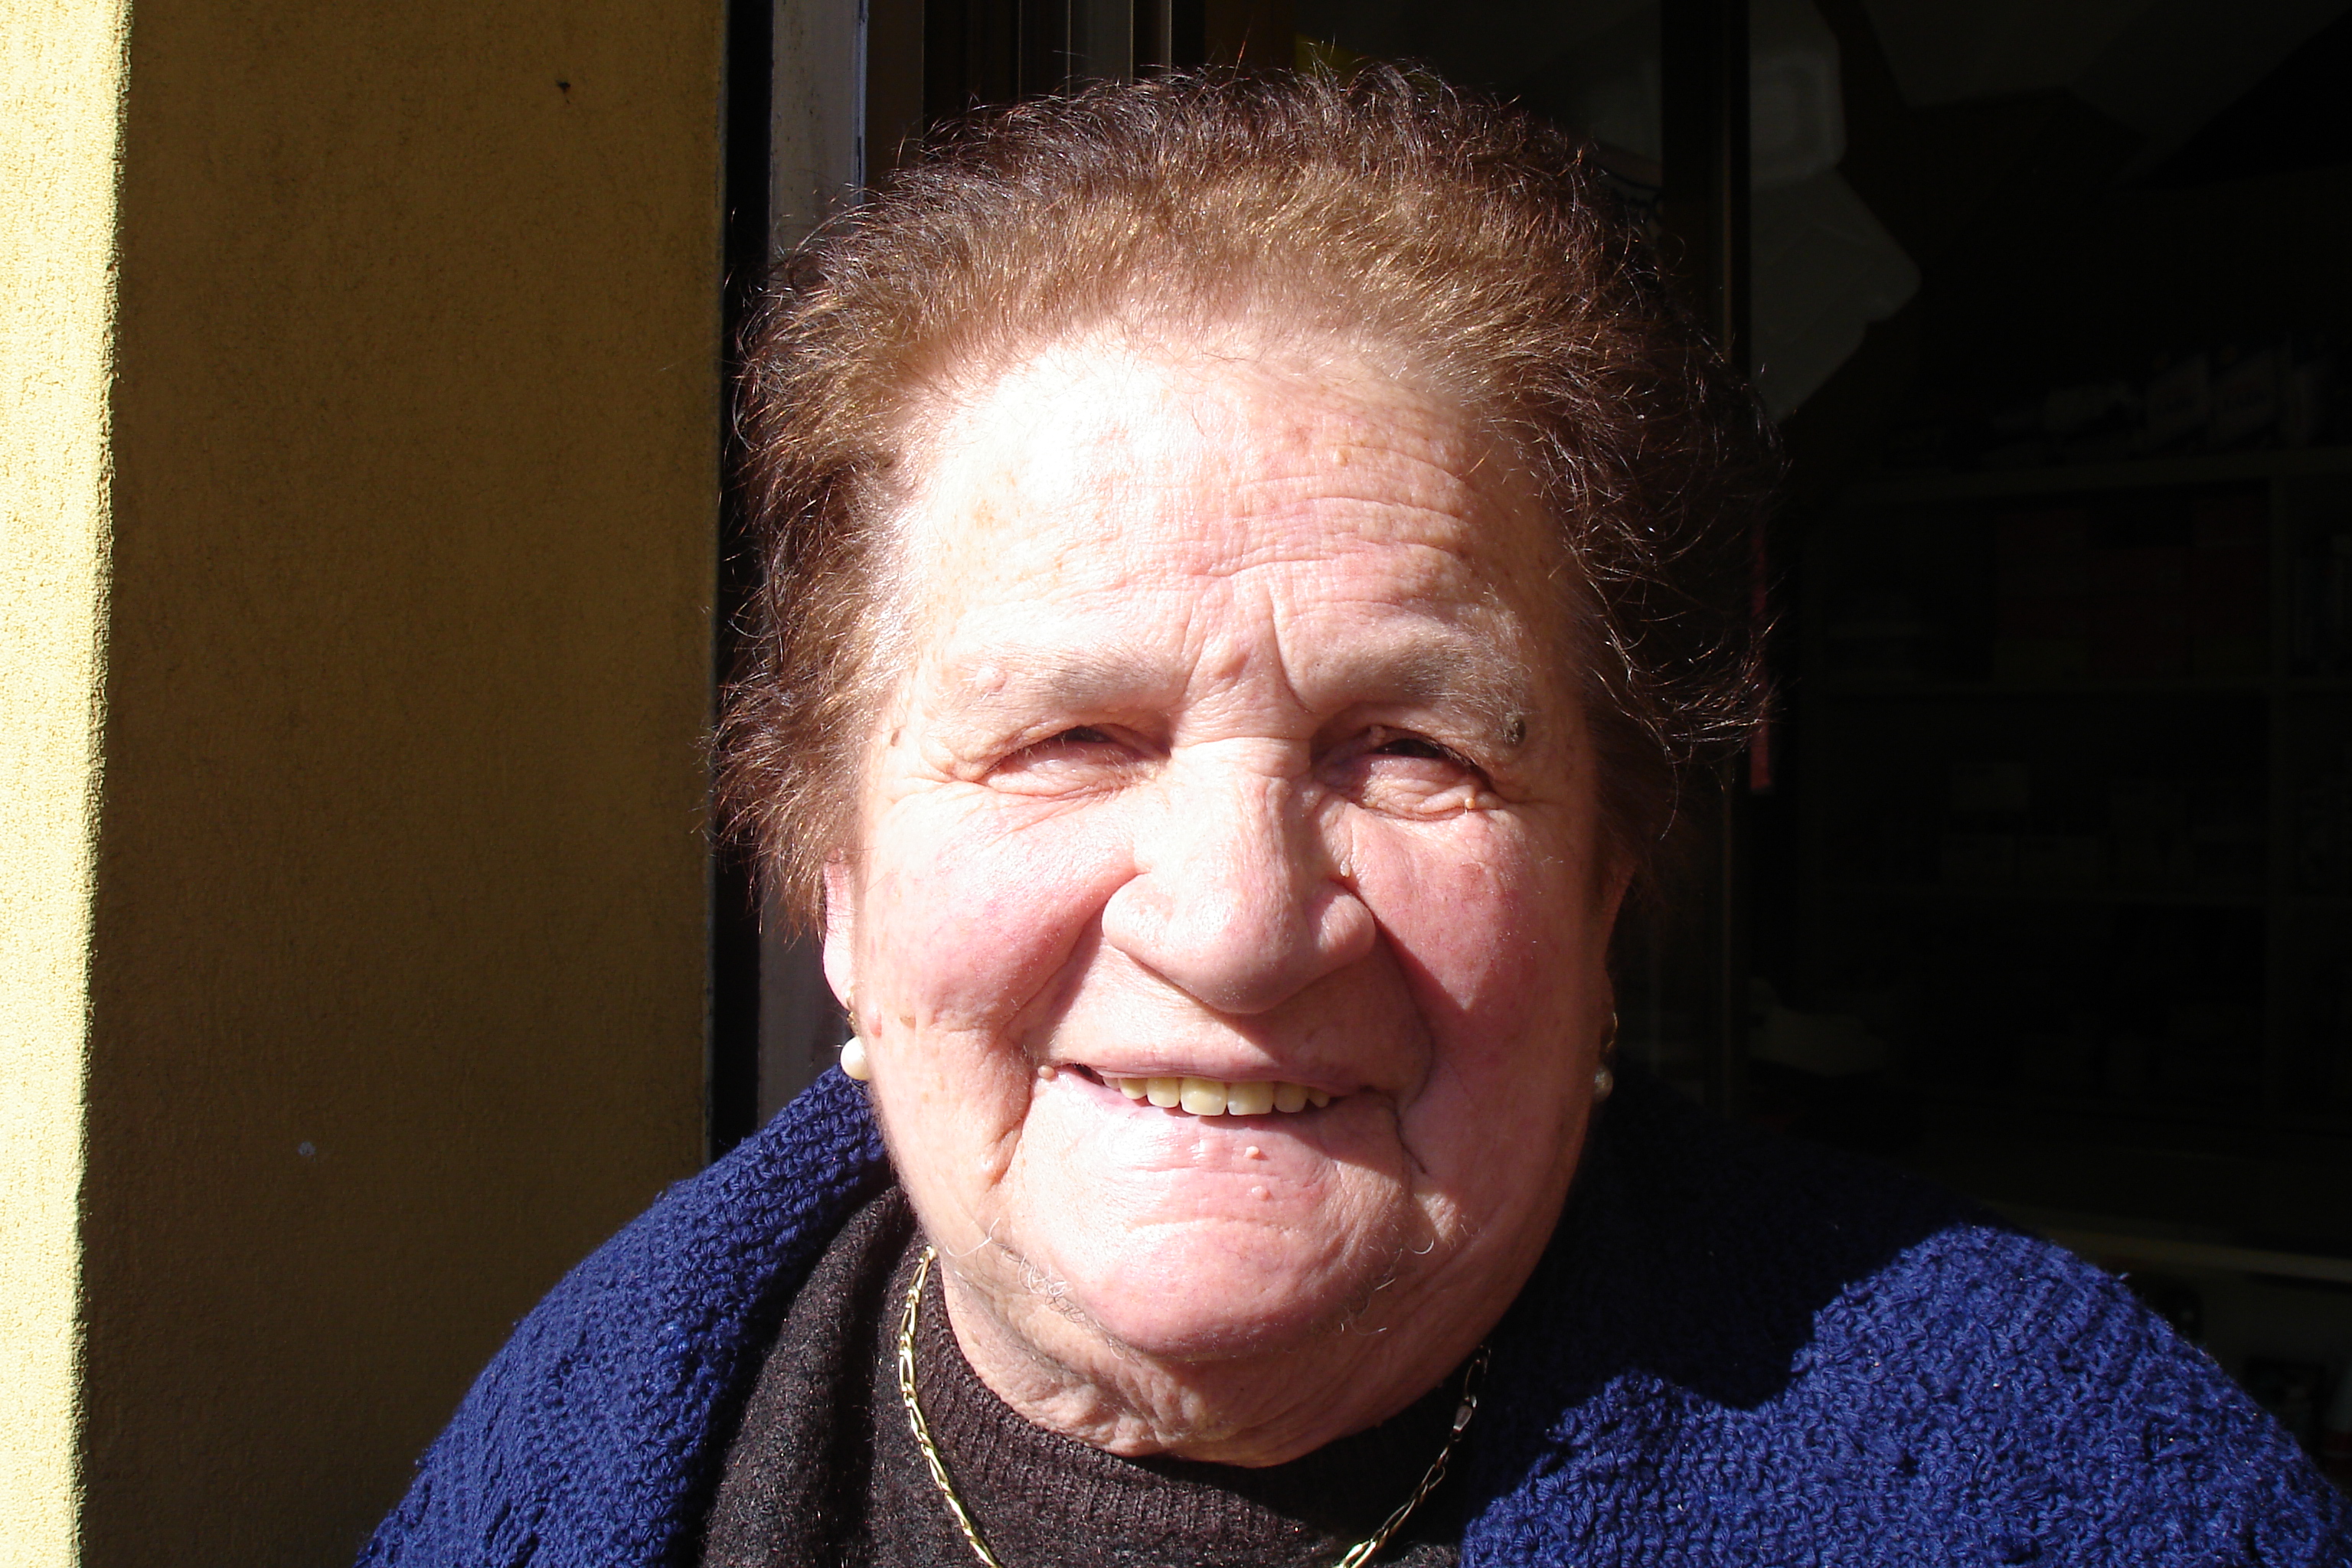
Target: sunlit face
(1233, 747)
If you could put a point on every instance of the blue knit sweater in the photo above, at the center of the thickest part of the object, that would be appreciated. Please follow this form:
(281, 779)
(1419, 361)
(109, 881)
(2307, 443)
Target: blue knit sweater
(1735, 1352)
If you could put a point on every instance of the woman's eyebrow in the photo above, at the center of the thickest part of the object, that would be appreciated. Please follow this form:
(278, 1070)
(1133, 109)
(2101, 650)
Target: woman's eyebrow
(1452, 671)
(1028, 674)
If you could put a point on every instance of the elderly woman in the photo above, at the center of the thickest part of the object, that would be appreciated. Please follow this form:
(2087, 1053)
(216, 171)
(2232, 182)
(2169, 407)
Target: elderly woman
(1252, 569)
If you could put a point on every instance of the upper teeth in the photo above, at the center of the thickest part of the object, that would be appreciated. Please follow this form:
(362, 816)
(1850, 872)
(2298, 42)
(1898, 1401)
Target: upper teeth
(1214, 1096)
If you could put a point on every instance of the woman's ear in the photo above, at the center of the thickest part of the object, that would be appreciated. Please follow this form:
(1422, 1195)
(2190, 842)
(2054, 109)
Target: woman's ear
(841, 933)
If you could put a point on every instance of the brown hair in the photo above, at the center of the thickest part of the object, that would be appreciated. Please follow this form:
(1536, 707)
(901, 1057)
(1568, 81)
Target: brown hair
(1475, 241)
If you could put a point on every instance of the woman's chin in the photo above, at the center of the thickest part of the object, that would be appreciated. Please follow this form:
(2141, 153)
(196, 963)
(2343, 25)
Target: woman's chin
(1213, 1289)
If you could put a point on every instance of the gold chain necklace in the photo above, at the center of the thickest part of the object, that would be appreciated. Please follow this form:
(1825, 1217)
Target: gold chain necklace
(1358, 1555)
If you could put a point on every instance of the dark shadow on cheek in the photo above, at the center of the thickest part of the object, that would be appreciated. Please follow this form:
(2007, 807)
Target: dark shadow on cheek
(1498, 1012)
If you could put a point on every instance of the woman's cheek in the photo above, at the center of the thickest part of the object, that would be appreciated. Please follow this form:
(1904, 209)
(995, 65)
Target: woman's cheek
(967, 912)
(977, 905)
(1463, 903)
(1491, 923)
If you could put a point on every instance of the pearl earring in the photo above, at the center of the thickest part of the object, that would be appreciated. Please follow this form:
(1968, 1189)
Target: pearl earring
(852, 1059)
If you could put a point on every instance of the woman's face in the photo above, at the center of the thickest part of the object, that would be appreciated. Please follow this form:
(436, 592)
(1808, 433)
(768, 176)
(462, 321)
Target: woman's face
(1233, 747)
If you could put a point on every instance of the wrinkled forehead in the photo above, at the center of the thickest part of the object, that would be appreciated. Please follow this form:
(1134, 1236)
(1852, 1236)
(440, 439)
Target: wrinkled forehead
(1115, 464)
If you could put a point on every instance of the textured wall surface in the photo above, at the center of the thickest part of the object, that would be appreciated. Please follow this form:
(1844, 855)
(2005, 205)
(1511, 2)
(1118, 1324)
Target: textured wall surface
(397, 941)
(61, 75)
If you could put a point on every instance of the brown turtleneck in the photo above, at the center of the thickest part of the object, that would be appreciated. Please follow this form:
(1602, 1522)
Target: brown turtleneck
(824, 1470)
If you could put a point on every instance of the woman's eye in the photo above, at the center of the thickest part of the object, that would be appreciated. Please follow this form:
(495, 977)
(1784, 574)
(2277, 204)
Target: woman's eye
(1404, 773)
(1078, 752)
(1085, 739)
(1414, 746)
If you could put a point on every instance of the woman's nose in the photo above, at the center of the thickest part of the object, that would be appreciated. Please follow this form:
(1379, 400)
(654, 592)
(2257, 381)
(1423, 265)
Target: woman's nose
(1235, 900)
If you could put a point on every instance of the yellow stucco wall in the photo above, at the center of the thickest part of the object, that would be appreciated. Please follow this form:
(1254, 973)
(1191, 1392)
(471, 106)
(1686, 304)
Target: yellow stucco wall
(395, 932)
(60, 73)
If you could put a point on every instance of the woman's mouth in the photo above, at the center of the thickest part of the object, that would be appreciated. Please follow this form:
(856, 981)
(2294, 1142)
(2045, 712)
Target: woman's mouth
(1218, 1097)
